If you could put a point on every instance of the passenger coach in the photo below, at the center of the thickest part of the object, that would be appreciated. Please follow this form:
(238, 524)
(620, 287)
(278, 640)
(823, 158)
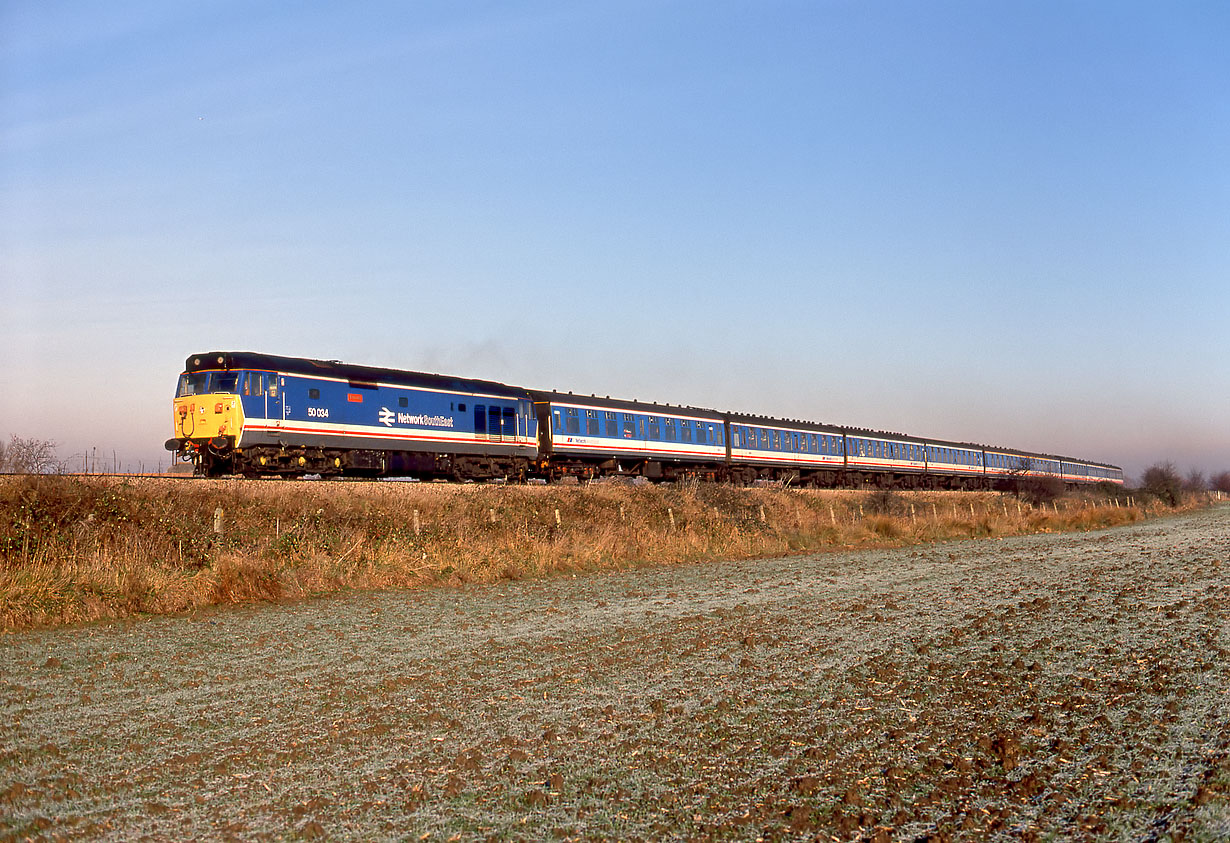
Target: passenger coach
(764, 448)
(584, 437)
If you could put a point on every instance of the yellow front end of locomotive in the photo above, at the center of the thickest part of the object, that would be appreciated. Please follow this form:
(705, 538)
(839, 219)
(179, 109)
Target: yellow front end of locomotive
(208, 418)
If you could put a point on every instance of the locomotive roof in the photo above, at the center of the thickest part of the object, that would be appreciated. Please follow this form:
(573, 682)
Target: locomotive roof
(346, 371)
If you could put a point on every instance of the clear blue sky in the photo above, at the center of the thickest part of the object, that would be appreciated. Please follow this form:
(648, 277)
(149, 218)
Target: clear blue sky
(1005, 222)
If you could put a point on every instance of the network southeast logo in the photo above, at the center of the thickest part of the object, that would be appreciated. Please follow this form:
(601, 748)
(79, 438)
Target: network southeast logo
(388, 418)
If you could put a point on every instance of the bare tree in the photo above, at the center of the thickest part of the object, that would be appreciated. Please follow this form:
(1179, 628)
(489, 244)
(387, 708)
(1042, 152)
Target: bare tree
(30, 456)
(1194, 481)
(1162, 481)
(1221, 482)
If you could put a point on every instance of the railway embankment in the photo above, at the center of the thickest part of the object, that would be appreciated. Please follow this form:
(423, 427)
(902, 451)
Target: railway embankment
(80, 549)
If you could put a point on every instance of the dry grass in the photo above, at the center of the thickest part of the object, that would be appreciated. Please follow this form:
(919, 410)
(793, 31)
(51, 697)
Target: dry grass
(83, 549)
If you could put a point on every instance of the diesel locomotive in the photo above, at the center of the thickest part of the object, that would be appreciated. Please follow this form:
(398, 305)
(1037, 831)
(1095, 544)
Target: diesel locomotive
(250, 414)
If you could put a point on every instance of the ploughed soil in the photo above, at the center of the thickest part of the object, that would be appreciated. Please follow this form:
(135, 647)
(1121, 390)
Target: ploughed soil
(1037, 687)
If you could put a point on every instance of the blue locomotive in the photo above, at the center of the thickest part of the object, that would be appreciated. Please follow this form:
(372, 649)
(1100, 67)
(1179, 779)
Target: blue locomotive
(243, 413)
(254, 414)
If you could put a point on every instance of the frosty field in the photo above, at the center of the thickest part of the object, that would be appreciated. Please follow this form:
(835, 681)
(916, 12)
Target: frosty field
(1033, 687)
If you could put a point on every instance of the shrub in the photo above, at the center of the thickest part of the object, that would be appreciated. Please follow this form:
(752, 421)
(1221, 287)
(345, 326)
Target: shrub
(1220, 482)
(1162, 481)
(884, 502)
(1040, 490)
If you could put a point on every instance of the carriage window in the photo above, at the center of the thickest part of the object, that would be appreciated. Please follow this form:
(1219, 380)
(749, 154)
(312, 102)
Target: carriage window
(670, 430)
(655, 428)
(629, 426)
(591, 422)
(559, 422)
(685, 431)
(572, 424)
(610, 425)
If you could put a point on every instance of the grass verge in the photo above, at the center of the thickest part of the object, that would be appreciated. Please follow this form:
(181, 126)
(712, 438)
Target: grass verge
(76, 549)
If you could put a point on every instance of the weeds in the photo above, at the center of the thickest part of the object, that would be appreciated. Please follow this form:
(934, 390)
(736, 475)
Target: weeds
(81, 549)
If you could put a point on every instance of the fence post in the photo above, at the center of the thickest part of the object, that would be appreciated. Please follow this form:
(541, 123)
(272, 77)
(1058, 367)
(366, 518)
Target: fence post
(218, 521)
(671, 513)
(418, 527)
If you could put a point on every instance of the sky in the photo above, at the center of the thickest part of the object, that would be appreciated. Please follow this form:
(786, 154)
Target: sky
(998, 222)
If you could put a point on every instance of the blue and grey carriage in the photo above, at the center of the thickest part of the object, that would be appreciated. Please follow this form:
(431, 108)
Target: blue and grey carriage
(588, 436)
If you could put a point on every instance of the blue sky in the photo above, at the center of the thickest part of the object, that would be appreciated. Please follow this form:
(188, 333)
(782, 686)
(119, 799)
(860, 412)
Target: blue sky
(1004, 222)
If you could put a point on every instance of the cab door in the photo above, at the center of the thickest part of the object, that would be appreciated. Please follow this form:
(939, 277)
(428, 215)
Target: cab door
(274, 411)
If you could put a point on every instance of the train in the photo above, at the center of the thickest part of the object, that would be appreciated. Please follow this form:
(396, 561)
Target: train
(240, 413)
